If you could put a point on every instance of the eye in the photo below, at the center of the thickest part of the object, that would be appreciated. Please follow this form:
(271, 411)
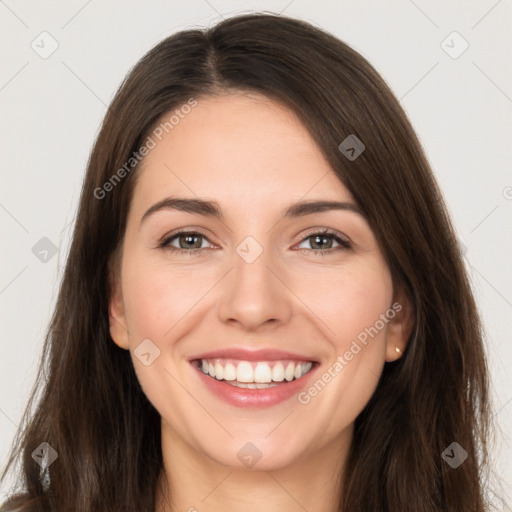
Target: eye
(189, 242)
(321, 243)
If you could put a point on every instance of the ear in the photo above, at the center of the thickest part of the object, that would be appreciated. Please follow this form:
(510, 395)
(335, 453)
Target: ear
(399, 327)
(116, 312)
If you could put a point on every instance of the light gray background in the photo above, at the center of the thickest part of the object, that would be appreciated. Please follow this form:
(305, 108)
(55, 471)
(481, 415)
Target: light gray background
(51, 110)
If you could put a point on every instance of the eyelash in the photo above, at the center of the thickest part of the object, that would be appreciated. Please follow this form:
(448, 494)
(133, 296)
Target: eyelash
(344, 244)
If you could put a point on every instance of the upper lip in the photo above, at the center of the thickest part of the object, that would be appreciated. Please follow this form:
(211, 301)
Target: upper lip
(241, 354)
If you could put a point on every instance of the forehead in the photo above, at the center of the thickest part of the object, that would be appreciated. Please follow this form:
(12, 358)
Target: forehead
(239, 147)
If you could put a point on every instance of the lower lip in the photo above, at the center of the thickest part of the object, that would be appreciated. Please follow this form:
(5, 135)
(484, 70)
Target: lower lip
(254, 398)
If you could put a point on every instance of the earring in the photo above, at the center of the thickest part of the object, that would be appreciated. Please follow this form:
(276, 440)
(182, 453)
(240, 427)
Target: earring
(397, 350)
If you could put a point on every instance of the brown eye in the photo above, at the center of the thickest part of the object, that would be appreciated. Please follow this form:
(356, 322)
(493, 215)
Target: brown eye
(324, 242)
(184, 241)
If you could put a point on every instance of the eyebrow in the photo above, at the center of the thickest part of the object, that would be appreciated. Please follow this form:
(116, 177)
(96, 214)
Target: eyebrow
(213, 209)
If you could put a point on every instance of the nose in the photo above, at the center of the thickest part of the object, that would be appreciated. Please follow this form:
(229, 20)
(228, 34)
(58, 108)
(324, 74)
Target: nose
(255, 293)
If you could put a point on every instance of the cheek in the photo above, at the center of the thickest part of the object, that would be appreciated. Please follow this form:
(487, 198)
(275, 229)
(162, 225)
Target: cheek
(145, 304)
(347, 300)
(350, 304)
(156, 300)
(157, 297)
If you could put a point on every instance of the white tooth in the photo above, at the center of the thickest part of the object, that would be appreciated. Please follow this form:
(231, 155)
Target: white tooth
(278, 372)
(229, 372)
(204, 366)
(306, 368)
(252, 385)
(262, 373)
(211, 370)
(219, 371)
(298, 371)
(289, 372)
(244, 372)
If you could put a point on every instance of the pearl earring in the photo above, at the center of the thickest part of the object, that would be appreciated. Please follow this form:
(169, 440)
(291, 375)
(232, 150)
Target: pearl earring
(397, 350)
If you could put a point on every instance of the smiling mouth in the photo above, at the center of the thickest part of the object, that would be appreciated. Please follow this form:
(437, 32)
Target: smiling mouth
(252, 374)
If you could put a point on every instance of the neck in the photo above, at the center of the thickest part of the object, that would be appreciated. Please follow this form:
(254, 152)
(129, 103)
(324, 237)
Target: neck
(193, 482)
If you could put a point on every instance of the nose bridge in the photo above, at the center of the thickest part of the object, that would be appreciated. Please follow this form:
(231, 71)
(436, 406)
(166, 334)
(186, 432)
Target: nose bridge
(254, 295)
(251, 264)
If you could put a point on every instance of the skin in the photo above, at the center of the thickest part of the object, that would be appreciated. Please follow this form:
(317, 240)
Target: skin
(255, 158)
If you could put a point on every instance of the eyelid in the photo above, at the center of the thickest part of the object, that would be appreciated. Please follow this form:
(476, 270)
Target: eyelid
(324, 231)
(188, 231)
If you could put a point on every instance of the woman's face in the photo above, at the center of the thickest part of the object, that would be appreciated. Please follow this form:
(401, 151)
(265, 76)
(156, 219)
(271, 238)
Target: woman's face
(294, 324)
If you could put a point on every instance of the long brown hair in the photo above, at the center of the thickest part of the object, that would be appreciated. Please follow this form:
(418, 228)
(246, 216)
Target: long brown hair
(91, 408)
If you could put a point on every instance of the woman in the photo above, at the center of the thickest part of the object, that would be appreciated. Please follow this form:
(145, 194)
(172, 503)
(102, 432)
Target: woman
(264, 306)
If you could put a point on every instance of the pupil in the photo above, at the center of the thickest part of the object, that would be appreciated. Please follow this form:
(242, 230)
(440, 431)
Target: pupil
(320, 241)
(189, 240)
